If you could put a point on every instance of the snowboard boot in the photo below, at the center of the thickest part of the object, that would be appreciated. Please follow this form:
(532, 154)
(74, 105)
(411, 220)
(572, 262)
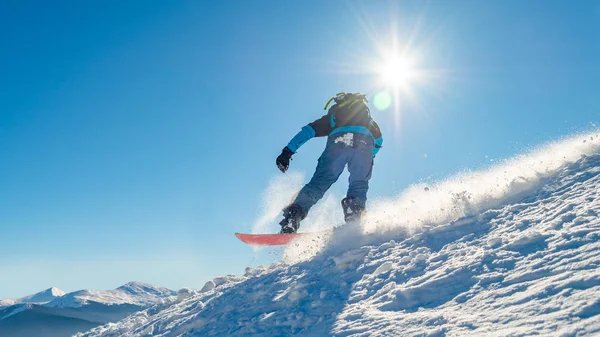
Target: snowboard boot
(292, 215)
(352, 211)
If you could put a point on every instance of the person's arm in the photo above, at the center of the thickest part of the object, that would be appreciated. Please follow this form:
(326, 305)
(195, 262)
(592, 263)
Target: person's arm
(300, 138)
(374, 128)
(322, 126)
(319, 128)
(378, 145)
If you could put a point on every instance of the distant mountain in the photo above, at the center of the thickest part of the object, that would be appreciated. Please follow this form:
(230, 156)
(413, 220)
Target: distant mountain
(44, 296)
(135, 293)
(41, 297)
(52, 313)
(6, 302)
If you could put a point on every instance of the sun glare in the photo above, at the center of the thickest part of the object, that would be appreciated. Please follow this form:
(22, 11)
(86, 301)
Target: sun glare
(397, 72)
(397, 65)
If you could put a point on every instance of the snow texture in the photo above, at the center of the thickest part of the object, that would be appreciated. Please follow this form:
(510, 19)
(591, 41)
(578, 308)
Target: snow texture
(510, 251)
(347, 138)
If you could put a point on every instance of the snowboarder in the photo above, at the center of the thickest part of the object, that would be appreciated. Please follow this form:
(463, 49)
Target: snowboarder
(353, 139)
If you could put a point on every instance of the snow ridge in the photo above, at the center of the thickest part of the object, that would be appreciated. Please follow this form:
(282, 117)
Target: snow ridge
(39, 298)
(135, 293)
(513, 250)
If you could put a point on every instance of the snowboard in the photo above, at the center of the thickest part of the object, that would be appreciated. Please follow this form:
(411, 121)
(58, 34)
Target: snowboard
(273, 239)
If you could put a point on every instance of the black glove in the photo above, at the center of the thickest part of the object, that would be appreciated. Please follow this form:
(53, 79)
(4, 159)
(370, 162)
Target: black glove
(283, 160)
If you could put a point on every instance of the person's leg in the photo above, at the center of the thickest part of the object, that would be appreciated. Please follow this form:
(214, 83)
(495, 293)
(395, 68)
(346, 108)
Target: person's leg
(331, 164)
(360, 167)
(329, 168)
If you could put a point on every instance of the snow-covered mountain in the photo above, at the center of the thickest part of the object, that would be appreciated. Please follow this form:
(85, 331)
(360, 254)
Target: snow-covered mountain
(41, 297)
(53, 313)
(134, 293)
(510, 251)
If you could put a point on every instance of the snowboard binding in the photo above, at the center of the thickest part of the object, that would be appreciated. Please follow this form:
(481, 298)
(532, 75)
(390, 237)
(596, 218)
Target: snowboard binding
(292, 215)
(352, 211)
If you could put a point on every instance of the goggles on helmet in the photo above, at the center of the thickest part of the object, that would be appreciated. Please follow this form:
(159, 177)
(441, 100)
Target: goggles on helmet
(343, 98)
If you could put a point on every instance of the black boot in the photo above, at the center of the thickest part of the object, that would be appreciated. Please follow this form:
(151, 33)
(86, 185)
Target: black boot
(292, 215)
(352, 211)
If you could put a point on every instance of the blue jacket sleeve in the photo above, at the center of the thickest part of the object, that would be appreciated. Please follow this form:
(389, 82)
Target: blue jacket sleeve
(378, 145)
(301, 137)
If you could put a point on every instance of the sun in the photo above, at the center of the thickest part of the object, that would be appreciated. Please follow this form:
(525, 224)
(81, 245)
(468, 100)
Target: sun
(397, 71)
(398, 76)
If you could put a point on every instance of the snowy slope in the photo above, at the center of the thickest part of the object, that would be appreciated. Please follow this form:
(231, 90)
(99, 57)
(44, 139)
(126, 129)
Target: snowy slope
(510, 251)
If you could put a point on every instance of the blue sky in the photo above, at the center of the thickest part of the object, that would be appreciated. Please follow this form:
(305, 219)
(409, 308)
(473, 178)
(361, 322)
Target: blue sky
(136, 137)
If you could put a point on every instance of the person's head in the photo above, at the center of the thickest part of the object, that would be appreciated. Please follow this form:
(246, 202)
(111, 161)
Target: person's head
(343, 99)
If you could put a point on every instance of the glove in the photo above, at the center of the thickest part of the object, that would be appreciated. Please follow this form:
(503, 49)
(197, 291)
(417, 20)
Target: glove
(283, 160)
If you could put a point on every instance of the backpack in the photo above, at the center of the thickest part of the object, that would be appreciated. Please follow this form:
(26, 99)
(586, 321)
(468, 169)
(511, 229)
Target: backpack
(349, 110)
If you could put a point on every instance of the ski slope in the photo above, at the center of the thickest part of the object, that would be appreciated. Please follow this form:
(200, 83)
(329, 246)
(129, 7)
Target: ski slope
(513, 250)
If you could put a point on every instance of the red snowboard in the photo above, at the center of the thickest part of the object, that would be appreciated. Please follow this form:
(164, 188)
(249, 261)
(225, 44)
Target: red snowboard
(271, 239)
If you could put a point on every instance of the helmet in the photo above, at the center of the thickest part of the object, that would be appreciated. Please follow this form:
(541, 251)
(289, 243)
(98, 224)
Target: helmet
(343, 99)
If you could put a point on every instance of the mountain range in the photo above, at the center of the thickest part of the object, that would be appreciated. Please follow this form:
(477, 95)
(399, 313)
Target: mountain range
(54, 313)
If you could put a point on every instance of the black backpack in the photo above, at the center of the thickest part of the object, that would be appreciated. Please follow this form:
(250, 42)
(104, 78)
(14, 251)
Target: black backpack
(349, 110)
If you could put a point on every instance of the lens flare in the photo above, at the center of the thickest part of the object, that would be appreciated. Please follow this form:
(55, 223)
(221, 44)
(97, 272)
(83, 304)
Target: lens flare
(382, 100)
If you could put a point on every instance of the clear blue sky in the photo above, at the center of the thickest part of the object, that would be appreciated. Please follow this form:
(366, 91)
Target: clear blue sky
(136, 137)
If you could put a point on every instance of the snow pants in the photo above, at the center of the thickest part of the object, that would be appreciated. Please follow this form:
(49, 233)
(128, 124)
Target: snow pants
(344, 148)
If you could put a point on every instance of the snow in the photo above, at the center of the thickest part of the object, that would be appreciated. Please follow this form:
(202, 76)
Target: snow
(347, 138)
(510, 251)
(38, 298)
(7, 302)
(278, 194)
(135, 293)
(44, 296)
(56, 313)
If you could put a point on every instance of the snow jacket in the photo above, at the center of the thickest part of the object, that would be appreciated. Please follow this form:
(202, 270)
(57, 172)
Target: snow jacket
(334, 122)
